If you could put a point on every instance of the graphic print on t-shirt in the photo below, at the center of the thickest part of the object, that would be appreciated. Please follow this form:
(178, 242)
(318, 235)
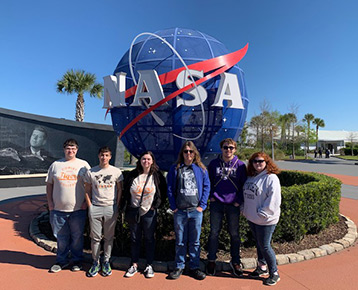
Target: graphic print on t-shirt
(68, 176)
(104, 181)
(250, 190)
(190, 188)
(224, 172)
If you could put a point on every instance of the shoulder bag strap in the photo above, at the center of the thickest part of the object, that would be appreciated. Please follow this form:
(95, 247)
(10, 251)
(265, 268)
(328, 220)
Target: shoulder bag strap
(141, 197)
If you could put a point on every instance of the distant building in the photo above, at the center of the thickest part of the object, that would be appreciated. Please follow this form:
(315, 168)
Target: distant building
(334, 140)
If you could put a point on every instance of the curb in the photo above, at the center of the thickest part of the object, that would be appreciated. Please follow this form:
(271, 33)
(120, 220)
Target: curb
(123, 263)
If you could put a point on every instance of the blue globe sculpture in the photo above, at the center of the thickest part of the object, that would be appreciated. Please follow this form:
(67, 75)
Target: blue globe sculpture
(150, 53)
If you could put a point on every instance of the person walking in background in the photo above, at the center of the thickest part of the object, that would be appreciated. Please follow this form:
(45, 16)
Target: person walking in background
(66, 201)
(188, 192)
(103, 185)
(328, 152)
(262, 200)
(320, 152)
(144, 189)
(227, 177)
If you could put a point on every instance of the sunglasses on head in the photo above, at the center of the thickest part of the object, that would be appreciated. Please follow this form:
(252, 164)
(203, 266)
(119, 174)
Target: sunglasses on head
(228, 147)
(188, 151)
(258, 161)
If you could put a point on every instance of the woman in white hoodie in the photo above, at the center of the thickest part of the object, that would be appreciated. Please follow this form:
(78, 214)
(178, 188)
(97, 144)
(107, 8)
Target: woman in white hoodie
(262, 200)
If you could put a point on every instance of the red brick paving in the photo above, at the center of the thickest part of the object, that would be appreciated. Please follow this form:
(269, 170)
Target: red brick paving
(346, 179)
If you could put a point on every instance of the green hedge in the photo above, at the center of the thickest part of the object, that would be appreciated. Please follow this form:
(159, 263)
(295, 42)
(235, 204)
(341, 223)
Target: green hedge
(310, 203)
(348, 151)
(246, 153)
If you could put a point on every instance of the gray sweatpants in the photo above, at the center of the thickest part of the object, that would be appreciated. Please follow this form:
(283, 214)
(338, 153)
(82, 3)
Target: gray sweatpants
(102, 217)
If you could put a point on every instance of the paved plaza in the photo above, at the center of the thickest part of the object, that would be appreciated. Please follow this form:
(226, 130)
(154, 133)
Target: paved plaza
(24, 265)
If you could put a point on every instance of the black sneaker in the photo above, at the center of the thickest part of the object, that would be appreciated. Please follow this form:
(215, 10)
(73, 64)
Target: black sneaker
(258, 273)
(197, 274)
(272, 280)
(211, 268)
(175, 274)
(236, 269)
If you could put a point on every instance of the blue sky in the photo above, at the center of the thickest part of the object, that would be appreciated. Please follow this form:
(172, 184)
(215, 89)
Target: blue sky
(302, 53)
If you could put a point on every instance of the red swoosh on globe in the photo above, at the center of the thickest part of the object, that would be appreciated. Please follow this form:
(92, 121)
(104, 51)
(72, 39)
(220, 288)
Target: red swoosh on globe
(220, 64)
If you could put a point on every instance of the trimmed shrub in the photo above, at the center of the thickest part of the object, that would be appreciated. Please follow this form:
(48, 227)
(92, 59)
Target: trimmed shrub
(246, 153)
(310, 203)
(348, 151)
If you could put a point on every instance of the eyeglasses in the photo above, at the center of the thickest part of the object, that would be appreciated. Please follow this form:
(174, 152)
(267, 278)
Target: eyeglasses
(71, 148)
(228, 147)
(258, 161)
(188, 151)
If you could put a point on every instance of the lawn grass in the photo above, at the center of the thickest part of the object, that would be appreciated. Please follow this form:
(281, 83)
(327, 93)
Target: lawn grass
(287, 158)
(348, 157)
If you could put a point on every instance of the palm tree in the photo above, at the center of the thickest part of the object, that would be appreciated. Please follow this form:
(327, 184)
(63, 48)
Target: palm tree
(284, 122)
(308, 118)
(292, 119)
(79, 82)
(319, 123)
(272, 123)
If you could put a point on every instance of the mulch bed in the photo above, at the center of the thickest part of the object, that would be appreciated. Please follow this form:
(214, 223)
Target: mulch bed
(327, 236)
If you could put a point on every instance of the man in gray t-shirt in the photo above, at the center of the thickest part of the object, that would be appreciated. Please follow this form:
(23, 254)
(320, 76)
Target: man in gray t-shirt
(103, 184)
(66, 202)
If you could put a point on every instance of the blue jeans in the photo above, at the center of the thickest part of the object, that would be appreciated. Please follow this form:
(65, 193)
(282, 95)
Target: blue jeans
(147, 225)
(187, 225)
(265, 253)
(68, 228)
(217, 211)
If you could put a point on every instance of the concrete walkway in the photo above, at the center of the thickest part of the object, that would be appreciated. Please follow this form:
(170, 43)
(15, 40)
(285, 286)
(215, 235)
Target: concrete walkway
(24, 265)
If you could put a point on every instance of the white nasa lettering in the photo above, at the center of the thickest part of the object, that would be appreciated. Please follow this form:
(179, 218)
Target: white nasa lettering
(229, 90)
(199, 92)
(148, 87)
(114, 90)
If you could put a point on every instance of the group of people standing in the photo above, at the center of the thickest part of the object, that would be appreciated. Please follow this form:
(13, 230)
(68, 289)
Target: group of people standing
(231, 188)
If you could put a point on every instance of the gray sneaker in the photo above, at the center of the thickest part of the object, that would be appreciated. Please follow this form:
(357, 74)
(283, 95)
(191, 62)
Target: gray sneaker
(131, 271)
(149, 272)
(76, 267)
(57, 267)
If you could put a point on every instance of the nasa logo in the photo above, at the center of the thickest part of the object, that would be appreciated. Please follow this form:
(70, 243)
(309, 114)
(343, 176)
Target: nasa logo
(189, 88)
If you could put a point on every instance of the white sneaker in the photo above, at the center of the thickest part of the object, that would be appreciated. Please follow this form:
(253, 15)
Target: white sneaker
(149, 272)
(131, 271)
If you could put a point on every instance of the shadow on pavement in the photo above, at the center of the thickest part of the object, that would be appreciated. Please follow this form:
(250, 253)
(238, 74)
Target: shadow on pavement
(329, 161)
(22, 213)
(21, 258)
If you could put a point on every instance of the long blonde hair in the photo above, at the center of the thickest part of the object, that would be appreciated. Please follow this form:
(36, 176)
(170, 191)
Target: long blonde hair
(197, 159)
